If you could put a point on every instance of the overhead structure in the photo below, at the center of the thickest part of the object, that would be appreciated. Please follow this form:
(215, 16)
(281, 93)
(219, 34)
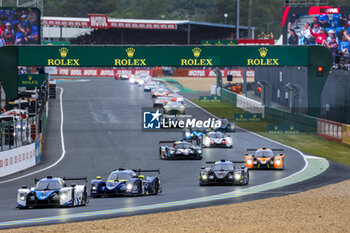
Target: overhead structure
(180, 56)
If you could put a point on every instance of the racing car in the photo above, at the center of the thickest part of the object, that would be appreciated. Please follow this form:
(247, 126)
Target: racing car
(52, 191)
(148, 86)
(194, 133)
(180, 150)
(176, 97)
(226, 126)
(159, 91)
(216, 139)
(173, 108)
(126, 182)
(223, 172)
(264, 158)
(161, 101)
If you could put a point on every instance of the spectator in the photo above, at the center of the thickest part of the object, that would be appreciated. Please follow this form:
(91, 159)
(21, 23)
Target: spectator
(330, 36)
(293, 38)
(24, 24)
(305, 33)
(320, 37)
(324, 21)
(9, 34)
(333, 45)
(314, 21)
(315, 29)
(2, 27)
(294, 20)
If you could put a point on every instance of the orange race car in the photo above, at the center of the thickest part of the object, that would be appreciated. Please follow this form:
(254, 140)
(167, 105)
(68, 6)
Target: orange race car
(264, 158)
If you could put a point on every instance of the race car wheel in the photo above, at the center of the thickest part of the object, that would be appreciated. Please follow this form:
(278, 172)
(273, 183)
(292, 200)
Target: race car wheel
(156, 186)
(84, 198)
(247, 179)
(73, 197)
(199, 157)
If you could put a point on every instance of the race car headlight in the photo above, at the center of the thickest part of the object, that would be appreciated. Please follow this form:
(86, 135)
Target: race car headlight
(94, 187)
(204, 177)
(237, 175)
(129, 187)
(141, 82)
(199, 151)
(278, 161)
(188, 134)
(22, 196)
(249, 161)
(63, 194)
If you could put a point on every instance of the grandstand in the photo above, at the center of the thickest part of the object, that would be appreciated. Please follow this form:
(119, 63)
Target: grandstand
(136, 31)
(326, 26)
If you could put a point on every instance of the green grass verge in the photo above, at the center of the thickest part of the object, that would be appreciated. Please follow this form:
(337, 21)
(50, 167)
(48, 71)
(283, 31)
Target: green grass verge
(310, 144)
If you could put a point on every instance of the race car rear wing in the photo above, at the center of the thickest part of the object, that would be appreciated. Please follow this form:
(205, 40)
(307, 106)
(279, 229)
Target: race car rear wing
(64, 178)
(233, 161)
(140, 170)
(80, 178)
(273, 150)
(169, 142)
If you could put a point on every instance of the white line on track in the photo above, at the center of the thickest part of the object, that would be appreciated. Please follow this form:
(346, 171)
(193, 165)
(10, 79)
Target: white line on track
(62, 143)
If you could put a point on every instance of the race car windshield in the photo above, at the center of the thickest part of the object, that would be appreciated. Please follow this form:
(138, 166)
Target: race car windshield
(221, 167)
(216, 135)
(163, 98)
(224, 122)
(182, 146)
(264, 153)
(173, 104)
(120, 176)
(48, 185)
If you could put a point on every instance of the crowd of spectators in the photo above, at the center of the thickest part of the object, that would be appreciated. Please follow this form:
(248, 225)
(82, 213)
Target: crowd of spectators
(19, 27)
(331, 31)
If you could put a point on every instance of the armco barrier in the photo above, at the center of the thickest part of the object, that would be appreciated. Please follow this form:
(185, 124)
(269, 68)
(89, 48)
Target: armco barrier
(330, 130)
(346, 134)
(249, 105)
(308, 124)
(17, 159)
(229, 97)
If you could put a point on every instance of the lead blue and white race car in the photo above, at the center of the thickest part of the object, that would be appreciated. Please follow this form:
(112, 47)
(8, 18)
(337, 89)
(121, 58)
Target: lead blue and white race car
(126, 182)
(52, 191)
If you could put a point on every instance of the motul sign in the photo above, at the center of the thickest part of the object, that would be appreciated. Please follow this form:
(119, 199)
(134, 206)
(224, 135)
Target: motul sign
(98, 21)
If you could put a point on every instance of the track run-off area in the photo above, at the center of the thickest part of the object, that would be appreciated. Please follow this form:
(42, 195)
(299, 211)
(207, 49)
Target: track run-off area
(95, 126)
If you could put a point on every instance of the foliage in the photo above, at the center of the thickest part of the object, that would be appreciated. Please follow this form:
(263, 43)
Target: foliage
(264, 12)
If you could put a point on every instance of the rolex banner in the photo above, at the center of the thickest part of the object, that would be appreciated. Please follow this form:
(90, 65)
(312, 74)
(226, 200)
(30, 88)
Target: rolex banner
(31, 80)
(149, 56)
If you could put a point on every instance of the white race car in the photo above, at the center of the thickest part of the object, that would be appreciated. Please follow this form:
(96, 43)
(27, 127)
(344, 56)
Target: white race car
(217, 139)
(52, 191)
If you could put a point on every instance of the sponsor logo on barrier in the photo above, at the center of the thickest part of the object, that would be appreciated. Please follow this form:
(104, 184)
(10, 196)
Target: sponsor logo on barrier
(263, 62)
(63, 62)
(210, 99)
(248, 116)
(283, 129)
(130, 62)
(196, 62)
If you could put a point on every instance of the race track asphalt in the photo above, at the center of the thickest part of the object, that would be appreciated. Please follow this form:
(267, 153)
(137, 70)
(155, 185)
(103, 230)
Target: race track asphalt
(102, 132)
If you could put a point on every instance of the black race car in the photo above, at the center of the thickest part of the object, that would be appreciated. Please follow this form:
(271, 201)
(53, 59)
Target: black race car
(223, 172)
(180, 150)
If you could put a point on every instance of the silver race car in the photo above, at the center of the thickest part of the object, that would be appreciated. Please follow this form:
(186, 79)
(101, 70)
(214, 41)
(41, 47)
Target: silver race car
(217, 139)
